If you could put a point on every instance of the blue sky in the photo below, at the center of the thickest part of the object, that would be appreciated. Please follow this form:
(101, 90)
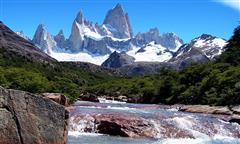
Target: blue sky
(187, 18)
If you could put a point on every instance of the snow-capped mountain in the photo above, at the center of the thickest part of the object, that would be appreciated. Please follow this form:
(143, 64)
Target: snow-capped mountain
(101, 43)
(211, 46)
(99, 39)
(94, 43)
(168, 40)
(200, 49)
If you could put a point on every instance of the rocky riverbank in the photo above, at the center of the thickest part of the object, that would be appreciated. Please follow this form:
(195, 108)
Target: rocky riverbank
(29, 118)
(227, 113)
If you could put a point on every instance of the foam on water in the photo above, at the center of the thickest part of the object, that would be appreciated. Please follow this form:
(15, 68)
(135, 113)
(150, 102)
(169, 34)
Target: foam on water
(218, 139)
(78, 134)
(93, 138)
(196, 128)
(187, 123)
(104, 100)
(108, 107)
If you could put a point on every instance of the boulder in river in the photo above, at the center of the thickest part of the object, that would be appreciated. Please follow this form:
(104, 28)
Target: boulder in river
(206, 109)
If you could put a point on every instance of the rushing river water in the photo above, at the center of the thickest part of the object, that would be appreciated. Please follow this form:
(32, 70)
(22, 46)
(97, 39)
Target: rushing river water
(146, 124)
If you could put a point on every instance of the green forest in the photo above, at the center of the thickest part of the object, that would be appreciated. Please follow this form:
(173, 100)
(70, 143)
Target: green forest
(18, 72)
(214, 83)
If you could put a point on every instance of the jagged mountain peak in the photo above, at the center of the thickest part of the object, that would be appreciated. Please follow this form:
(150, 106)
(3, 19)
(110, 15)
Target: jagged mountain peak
(205, 36)
(207, 40)
(118, 8)
(119, 21)
(168, 40)
(41, 30)
(201, 49)
(60, 32)
(154, 30)
(41, 27)
(43, 39)
(171, 41)
(116, 34)
(60, 39)
(151, 31)
(80, 18)
(171, 34)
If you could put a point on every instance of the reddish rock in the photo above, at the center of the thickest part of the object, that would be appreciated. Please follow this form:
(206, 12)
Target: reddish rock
(124, 125)
(230, 114)
(58, 98)
(206, 109)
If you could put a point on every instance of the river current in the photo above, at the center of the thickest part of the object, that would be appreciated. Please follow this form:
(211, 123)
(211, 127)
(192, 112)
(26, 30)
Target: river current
(146, 124)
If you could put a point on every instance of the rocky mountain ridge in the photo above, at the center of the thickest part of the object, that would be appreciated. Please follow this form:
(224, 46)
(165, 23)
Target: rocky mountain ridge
(91, 42)
(199, 50)
(95, 43)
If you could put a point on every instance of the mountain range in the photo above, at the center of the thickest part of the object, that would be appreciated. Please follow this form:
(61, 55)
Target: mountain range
(112, 44)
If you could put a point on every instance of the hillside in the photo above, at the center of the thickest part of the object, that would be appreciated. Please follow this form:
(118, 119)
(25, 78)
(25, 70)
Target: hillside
(25, 67)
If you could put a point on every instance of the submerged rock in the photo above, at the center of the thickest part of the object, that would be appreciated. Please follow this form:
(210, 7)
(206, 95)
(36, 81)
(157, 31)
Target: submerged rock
(26, 118)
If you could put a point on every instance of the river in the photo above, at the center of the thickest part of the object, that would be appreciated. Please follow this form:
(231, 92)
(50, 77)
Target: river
(102, 123)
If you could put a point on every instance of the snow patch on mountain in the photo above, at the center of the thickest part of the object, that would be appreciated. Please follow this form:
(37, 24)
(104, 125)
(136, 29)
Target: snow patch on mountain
(209, 43)
(153, 53)
(86, 31)
(178, 45)
(81, 56)
(150, 53)
(211, 46)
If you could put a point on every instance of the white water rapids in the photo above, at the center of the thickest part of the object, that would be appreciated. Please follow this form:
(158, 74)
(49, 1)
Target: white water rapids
(156, 124)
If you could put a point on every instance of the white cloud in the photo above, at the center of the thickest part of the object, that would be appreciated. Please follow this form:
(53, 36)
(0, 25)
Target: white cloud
(235, 4)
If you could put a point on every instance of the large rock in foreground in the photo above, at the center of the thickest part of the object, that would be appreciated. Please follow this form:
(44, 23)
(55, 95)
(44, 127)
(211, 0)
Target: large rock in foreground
(28, 118)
